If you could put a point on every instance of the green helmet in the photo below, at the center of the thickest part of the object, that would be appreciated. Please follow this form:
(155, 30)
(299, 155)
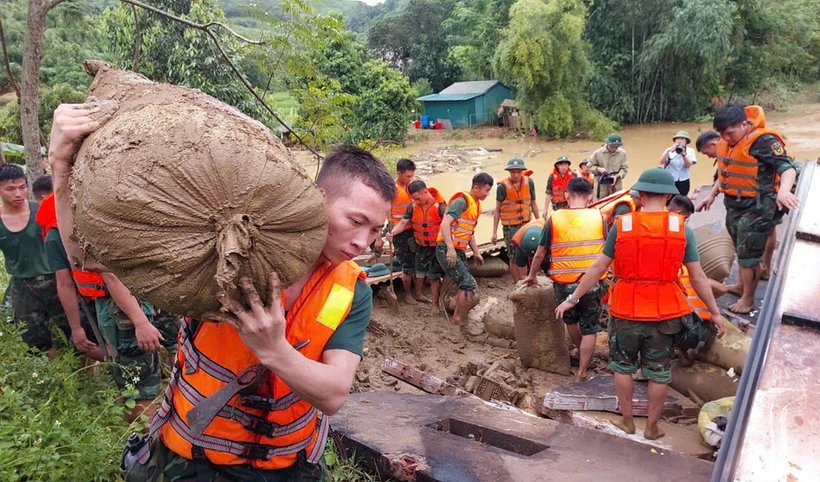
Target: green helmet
(378, 269)
(515, 163)
(682, 135)
(657, 181)
(614, 140)
(530, 240)
(563, 159)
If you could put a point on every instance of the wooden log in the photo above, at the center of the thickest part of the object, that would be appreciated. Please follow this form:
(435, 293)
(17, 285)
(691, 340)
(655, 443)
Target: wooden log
(420, 379)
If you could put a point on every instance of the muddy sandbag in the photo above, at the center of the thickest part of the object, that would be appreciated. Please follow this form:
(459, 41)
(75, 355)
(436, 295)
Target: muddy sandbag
(180, 195)
(731, 351)
(717, 252)
(493, 267)
(497, 325)
(704, 381)
(712, 420)
(539, 336)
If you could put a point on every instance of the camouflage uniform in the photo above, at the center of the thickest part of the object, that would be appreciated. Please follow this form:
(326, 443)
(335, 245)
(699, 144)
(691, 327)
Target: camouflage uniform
(460, 273)
(426, 265)
(653, 340)
(180, 469)
(587, 313)
(749, 220)
(509, 232)
(137, 373)
(695, 334)
(404, 246)
(36, 305)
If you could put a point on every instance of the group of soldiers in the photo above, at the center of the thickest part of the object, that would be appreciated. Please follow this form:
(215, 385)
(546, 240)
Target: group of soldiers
(301, 349)
(630, 249)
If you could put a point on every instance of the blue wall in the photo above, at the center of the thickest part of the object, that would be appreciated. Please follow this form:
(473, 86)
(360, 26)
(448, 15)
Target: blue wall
(457, 111)
(475, 111)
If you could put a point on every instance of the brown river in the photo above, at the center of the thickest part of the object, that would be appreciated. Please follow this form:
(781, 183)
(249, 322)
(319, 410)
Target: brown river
(644, 145)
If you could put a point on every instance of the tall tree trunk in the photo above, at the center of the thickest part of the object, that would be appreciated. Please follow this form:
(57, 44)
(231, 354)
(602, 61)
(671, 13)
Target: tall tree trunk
(30, 99)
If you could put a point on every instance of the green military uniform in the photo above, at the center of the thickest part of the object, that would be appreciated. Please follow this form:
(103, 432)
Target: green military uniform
(509, 231)
(425, 263)
(460, 273)
(749, 220)
(587, 313)
(654, 341)
(33, 287)
(404, 247)
(525, 251)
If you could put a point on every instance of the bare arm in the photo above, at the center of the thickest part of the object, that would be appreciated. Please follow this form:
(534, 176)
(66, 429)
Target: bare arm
(688, 161)
(496, 219)
(547, 202)
(399, 228)
(592, 276)
(446, 221)
(537, 259)
(535, 213)
(665, 156)
(325, 384)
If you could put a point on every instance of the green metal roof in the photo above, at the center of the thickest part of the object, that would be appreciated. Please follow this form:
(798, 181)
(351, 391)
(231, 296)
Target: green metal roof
(447, 97)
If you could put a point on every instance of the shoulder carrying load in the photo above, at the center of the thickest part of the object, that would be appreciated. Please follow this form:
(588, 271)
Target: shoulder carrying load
(180, 195)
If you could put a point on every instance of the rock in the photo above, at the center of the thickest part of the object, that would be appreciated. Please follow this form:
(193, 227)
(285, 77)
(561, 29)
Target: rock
(539, 336)
(500, 327)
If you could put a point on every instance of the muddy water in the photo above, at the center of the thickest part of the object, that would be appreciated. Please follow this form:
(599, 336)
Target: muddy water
(643, 144)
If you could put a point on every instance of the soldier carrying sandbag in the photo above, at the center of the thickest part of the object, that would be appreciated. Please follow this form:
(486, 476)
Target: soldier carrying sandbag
(648, 248)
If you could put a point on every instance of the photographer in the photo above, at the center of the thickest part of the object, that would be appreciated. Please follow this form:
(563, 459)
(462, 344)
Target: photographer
(677, 159)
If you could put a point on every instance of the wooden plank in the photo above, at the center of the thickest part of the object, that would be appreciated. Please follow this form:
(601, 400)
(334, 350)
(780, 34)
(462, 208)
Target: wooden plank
(420, 379)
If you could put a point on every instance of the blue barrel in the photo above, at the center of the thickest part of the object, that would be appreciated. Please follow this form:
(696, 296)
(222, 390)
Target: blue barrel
(425, 121)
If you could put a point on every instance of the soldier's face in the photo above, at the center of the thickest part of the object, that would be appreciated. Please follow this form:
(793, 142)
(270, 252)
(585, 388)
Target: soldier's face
(563, 168)
(733, 134)
(515, 174)
(710, 149)
(14, 192)
(406, 177)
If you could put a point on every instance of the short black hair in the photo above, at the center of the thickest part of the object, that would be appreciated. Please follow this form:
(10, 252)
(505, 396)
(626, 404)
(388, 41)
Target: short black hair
(683, 203)
(482, 179)
(350, 163)
(416, 186)
(705, 138)
(404, 165)
(579, 185)
(11, 172)
(728, 116)
(42, 185)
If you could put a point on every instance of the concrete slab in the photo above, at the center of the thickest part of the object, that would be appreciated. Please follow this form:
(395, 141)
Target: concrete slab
(599, 394)
(466, 440)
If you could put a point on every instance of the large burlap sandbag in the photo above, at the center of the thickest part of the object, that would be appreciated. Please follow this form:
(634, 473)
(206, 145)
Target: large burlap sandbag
(731, 351)
(539, 337)
(493, 267)
(717, 252)
(180, 195)
(704, 381)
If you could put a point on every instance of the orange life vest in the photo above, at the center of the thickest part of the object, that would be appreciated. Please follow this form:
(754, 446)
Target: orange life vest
(649, 253)
(90, 285)
(427, 222)
(516, 208)
(559, 186)
(588, 176)
(271, 427)
(609, 204)
(400, 204)
(737, 169)
(462, 229)
(577, 237)
(699, 306)
(516, 239)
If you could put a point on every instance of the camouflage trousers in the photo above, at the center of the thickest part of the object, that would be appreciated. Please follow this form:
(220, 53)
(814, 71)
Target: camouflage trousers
(695, 334)
(460, 273)
(654, 341)
(509, 232)
(137, 373)
(404, 246)
(587, 313)
(426, 265)
(749, 229)
(180, 469)
(37, 307)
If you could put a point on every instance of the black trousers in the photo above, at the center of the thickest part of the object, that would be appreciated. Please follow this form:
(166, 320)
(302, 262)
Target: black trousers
(683, 187)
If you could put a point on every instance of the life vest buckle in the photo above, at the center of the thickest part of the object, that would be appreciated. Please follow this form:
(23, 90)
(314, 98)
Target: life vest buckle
(261, 427)
(256, 401)
(256, 452)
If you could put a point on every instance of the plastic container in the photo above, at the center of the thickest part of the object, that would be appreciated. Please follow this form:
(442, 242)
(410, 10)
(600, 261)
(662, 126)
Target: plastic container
(425, 121)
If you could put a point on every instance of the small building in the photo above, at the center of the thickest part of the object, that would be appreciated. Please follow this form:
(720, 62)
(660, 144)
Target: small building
(467, 104)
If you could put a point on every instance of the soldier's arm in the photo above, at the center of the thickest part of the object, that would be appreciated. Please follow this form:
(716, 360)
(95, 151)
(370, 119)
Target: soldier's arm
(533, 203)
(769, 150)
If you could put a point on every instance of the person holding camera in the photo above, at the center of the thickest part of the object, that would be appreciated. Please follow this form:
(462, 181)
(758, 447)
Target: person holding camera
(610, 166)
(677, 159)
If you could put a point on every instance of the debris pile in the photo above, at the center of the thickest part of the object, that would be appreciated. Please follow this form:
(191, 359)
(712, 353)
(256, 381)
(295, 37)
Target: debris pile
(450, 159)
(501, 380)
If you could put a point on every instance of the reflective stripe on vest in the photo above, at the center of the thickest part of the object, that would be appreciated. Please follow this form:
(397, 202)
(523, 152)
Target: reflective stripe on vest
(559, 186)
(692, 296)
(427, 222)
(516, 208)
(399, 206)
(269, 428)
(90, 285)
(737, 168)
(577, 237)
(649, 253)
(462, 229)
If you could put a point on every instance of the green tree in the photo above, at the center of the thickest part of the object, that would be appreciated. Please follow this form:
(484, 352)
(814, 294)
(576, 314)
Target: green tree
(473, 31)
(415, 43)
(50, 98)
(542, 56)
